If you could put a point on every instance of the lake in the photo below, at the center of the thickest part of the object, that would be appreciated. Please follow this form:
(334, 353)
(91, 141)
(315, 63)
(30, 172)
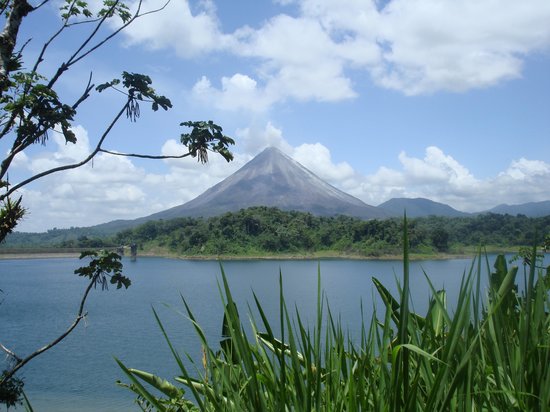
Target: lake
(41, 297)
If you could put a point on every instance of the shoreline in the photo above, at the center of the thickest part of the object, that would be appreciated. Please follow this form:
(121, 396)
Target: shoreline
(39, 255)
(328, 256)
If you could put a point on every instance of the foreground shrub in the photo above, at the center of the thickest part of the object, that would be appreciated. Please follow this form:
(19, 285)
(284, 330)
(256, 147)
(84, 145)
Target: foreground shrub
(491, 353)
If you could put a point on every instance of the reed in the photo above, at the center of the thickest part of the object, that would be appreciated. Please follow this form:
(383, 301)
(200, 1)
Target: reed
(491, 353)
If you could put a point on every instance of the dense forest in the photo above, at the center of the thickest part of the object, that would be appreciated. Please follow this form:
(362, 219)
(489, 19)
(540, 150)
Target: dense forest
(267, 231)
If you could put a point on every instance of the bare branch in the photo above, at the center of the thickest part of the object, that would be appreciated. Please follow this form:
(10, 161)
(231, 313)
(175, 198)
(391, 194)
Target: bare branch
(10, 353)
(41, 4)
(155, 10)
(106, 39)
(136, 15)
(72, 60)
(40, 57)
(142, 156)
(89, 87)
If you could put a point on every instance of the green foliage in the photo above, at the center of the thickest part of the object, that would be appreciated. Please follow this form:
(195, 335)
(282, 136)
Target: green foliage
(34, 108)
(78, 8)
(206, 136)
(10, 213)
(440, 239)
(104, 267)
(11, 390)
(491, 355)
(138, 89)
(115, 8)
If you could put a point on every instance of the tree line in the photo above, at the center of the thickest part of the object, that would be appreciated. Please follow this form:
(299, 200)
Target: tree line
(265, 230)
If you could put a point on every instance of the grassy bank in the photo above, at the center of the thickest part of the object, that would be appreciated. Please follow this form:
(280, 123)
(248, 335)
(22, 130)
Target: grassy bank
(152, 250)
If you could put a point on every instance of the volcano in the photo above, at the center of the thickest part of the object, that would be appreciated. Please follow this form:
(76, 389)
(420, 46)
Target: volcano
(273, 179)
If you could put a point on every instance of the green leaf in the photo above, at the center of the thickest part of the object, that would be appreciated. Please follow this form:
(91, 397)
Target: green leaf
(416, 349)
(107, 85)
(68, 134)
(158, 383)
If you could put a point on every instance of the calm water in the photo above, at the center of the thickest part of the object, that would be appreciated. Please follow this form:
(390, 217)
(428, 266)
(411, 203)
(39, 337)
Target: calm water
(41, 297)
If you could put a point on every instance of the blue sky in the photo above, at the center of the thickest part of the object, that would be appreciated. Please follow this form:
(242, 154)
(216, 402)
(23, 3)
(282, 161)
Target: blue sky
(444, 99)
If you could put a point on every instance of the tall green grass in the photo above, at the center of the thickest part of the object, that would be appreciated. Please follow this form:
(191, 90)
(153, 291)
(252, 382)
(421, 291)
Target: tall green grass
(490, 353)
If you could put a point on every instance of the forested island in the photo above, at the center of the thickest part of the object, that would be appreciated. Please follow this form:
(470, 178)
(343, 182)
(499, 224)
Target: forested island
(264, 231)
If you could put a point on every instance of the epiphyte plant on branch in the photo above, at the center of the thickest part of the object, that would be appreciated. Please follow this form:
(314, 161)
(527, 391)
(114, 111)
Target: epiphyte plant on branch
(32, 108)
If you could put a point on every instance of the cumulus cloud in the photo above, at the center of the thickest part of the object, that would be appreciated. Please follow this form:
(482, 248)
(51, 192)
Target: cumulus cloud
(413, 46)
(428, 46)
(316, 157)
(458, 45)
(238, 92)
(78, 197)
(254, 139)
(190, 31)
(297, 60)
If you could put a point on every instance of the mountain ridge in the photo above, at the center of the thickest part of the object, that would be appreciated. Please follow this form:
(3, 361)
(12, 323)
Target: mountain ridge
(419, 207)
(530, 209)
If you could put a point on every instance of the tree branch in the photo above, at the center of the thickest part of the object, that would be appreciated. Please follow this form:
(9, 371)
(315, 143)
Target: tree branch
(41, 4)
(20, 146)
(8, 38)
(117, 31)
(141, 156)
(10, 353)
(70, 166)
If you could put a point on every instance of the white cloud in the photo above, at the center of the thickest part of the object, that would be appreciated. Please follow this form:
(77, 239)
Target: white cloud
(297, 60)
(177, 26)
(413, 46)
(317, 158)
(458, 45)
(432, 45)
(66, 153)
(525, 169)
(436, 167)
(236, 93)
(254, 139)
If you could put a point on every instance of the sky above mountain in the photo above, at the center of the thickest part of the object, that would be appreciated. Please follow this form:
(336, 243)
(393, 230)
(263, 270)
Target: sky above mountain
(443, 99)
